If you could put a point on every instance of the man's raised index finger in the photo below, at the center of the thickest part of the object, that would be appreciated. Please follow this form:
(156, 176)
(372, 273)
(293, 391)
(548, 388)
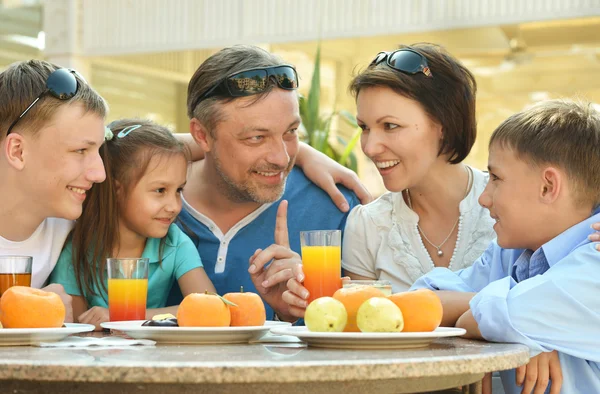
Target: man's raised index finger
(281, 228)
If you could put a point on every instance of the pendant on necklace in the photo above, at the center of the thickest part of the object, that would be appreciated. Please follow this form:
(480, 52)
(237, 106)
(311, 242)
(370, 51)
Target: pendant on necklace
(440, 253)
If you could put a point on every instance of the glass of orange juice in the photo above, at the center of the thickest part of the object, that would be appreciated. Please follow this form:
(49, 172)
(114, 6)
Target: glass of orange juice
(15, 271)
(127, 288)
(321, 262)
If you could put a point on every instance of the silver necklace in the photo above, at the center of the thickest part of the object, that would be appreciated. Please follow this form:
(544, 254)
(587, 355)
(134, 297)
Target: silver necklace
(440, 253)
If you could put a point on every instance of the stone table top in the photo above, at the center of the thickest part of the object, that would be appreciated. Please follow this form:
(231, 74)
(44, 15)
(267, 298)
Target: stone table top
(255, 363)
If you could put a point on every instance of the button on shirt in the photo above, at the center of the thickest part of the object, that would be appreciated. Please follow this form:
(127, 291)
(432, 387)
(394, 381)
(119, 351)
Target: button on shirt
(548, 300)
(179, 257)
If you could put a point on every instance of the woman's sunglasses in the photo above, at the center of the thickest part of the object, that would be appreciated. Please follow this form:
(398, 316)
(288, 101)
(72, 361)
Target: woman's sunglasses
(61, 84)
(254, 81)
(405, 60)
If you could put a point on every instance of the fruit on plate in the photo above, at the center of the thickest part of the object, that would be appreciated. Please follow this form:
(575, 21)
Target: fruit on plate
(203, 310)
(326, 314)
(26, 307)
(422, 310)
(249, 309)
(379, 314)
(353, 298)
(162, 320)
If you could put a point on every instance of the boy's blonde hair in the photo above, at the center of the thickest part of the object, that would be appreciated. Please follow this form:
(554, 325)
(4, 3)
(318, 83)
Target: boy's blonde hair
(22, 82)
(560, 132)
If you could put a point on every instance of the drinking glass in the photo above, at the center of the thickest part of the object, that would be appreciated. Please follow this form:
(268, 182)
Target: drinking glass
(15, 271)
(321, 262)
(384, 285)
(127, 288)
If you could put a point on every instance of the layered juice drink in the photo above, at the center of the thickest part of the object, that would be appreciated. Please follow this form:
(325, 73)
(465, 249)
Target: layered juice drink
(321, 262)
(127, 288)
(322, 266)
(127, 299)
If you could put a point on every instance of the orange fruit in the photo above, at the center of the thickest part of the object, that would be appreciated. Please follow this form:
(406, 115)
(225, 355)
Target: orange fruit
(250, 310)
(203, 310)
(26, 307)
(422, 310)
(353, 298)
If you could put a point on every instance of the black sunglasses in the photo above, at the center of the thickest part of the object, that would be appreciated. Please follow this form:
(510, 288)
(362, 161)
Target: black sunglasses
(61, 84)
(405, 60)
(253, 81)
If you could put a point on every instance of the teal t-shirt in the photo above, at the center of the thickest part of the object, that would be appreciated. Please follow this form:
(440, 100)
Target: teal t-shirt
(179, 256)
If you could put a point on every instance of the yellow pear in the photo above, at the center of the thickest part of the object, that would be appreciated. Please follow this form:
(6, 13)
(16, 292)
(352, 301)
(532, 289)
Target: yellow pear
(379, 314)
(326, 314)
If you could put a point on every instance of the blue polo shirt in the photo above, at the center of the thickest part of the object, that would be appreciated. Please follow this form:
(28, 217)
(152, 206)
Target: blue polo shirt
(226, 256)
(179, 256)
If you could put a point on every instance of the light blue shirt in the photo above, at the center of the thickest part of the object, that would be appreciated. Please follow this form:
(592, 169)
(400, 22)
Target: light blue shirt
(179, 256)
(226, 256)
(548, 300)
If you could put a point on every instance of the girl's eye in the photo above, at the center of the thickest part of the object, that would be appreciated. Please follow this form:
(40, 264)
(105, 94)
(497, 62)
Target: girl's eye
(180, 190)
(363, 127)
(390, 126)
(293, 131)
(494, 177)
(160, 190)
(81, 151)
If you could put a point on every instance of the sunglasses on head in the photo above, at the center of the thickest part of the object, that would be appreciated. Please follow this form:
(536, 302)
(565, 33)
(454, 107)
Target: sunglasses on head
(253, 81)
(405, 60)
(61, 84)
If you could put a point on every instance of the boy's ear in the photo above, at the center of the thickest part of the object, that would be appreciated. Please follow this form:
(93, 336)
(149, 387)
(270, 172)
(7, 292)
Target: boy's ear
(200, 134)
(14, 150)
(552, 183)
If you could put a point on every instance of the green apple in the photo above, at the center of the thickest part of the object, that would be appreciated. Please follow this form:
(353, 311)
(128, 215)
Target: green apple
(379, 314)
(326, 314)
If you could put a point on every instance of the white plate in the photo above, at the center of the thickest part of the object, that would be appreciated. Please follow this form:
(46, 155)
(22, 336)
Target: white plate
(363, 340)
(31, 336)
(195, 335)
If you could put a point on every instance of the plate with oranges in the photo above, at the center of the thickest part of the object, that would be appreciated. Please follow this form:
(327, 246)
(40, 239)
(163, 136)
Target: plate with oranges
(29, 316)
(371, 340)
(205, 318)
(193, 335)
(365, 317)
(33, 336)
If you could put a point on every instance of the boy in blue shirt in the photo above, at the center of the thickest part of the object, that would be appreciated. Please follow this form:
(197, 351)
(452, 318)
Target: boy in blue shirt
(538, 283)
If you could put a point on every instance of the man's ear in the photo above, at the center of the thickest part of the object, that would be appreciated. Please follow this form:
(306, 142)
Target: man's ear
(14, 150)
(551, 185)
(201, 135)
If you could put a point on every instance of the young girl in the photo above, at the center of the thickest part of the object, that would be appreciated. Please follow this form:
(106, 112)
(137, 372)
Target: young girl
(131, 214)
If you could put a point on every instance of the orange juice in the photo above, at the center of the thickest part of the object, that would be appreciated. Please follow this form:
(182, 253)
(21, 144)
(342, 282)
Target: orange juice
(322, 266)
(9, 280)
(127, 299)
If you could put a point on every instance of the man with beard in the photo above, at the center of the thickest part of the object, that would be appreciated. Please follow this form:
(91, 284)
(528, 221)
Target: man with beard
(243, 106)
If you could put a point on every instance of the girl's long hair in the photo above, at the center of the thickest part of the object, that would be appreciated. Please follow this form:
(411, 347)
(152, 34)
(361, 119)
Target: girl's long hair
(126, 159)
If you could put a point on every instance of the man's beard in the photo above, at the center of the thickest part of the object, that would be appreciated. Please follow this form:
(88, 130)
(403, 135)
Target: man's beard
(249, 192)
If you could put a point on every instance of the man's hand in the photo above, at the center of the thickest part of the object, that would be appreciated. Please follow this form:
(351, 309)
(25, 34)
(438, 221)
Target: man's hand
(540, 370)
(326, 173)
(65, 298)
(95, 316)
(270, 269)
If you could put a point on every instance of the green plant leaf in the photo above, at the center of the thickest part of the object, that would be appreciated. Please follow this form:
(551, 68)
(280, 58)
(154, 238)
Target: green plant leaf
(348, 117)
(314, 94)
(350, 147)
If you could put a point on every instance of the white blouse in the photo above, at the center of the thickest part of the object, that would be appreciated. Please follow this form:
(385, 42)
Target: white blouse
(381, 239)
